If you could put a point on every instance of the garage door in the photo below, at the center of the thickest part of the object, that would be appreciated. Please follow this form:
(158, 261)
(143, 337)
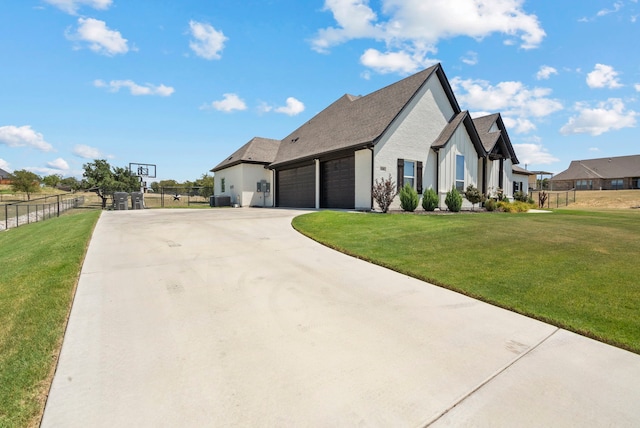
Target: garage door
(296, 187)
(337, 183)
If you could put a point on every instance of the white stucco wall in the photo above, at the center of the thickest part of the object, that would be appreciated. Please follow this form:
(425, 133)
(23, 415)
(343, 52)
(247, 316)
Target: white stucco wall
(524, 179)
(410, 135)
(240, 184)
(460, 144)
(493, 177)
(363, 179)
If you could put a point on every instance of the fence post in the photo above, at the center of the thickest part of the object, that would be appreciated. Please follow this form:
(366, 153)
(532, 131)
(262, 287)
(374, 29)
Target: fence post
(6, 217)
(17, 217)
(58, 204)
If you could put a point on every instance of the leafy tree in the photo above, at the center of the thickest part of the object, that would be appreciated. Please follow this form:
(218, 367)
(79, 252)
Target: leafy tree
(155, 186)
(25, 181)
(205, 182)
(473, 195)
(104, 180)
(52, 180)
(430, 200)
(453, 200)
(383, 192)
(71, 183)
(408, 198)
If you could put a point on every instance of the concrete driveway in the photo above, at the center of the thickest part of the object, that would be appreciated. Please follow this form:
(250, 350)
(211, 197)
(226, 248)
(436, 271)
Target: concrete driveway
(229, 317)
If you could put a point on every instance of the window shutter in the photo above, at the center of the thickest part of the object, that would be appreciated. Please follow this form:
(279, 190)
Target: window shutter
(400, 173)
(419, 178)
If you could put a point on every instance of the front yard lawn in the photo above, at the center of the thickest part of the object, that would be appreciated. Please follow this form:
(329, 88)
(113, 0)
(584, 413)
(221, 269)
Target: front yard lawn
(577, 270)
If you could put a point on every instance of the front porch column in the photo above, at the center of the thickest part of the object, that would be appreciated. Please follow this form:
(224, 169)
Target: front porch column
(317, 162)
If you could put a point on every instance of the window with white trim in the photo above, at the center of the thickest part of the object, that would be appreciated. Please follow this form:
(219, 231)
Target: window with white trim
(460, 173)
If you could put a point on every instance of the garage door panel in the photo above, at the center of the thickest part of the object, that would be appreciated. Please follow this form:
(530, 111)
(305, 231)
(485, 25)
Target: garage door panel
(338, 183)
(296, 187)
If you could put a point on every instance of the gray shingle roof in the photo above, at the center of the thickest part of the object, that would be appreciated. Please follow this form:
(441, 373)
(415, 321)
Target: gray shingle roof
(353, 121)
(258, 150)
(490, 139)
(446, 134)
(518, 170)
(607, 168)
(3, 173)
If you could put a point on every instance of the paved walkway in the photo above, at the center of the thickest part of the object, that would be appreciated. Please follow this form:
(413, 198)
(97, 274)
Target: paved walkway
(228, 317)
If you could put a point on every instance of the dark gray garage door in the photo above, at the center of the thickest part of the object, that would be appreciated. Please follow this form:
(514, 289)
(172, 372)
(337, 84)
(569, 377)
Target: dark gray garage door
(296, 187)
(337, 183)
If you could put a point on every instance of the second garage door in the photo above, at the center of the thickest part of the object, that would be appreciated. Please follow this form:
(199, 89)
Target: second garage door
(337, 183)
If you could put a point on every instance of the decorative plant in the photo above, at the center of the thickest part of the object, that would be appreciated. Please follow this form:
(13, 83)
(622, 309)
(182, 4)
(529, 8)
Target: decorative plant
(542, 198)
(408, 198)
(383, 191)
(453, 200)
(473, 195)
(429, 200)
(490, 205)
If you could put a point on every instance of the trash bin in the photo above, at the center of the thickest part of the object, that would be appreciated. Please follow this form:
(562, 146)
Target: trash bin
(212, 201)
(137, 200)
(120, 201)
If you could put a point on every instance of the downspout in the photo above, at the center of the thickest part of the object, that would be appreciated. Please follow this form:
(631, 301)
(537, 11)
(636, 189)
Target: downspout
(371, 184)
(437, 151)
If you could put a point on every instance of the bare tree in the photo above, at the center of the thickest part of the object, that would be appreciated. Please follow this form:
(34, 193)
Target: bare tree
(383, 191)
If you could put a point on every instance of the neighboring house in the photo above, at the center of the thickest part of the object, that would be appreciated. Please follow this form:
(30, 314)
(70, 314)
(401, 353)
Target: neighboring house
(615, 173)
(238, 175)
(412, 130)
(4, 177)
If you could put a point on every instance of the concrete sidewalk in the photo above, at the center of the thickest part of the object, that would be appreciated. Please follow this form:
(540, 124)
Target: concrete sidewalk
(228, 317)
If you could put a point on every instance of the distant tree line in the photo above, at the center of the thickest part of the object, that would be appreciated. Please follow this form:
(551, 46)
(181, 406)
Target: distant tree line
(103, 179)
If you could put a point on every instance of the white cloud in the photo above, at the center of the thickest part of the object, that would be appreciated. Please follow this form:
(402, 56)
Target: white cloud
(470, 58)
(616, 7)
(411, 29)
(514, 100)
(59, 164)
(207, 41)
(100, 38)
(594, 149)
(534, 154)
(229, 103)
(5, 165)
(23, 136)
(134, 88)
(603, 76)
(607, 116)
(637, 87)
(545, 72)
(293, 107)
(518, 125)
(72, 6)
(393, 62)
(87, 152)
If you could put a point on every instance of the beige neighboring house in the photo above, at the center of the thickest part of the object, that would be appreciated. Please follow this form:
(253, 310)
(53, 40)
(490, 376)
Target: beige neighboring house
(4, 177)
(412, 130)
(615, 173)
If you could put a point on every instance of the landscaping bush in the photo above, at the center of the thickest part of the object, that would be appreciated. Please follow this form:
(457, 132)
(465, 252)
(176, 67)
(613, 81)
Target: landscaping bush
(408, 198)
(473, 195)
(430, 200)
(383, 192)
(453, 200)
(515, 207)
(490, 204)
(520, 196)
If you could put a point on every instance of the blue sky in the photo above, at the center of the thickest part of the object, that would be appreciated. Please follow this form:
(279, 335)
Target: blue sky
(183, 84)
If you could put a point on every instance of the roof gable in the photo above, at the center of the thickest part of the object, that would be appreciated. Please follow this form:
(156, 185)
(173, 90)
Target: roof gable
(258, 150)
(3, 173)
(495, 142)
(465, 119)
(356, 121)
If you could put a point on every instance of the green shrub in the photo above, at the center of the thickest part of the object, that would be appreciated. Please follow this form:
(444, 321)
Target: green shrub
(430, 200)
(490, 204)
(408, 198)
(515, 207)
(473, 195)
(520, 196)
(453, 200)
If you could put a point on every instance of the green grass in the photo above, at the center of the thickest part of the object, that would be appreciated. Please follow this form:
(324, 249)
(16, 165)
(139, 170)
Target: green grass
(40, 266)
(577, 270)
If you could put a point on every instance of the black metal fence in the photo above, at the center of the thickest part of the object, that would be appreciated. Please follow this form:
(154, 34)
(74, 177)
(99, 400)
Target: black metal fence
(39, 209)
(553, 199)
(178, 197)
